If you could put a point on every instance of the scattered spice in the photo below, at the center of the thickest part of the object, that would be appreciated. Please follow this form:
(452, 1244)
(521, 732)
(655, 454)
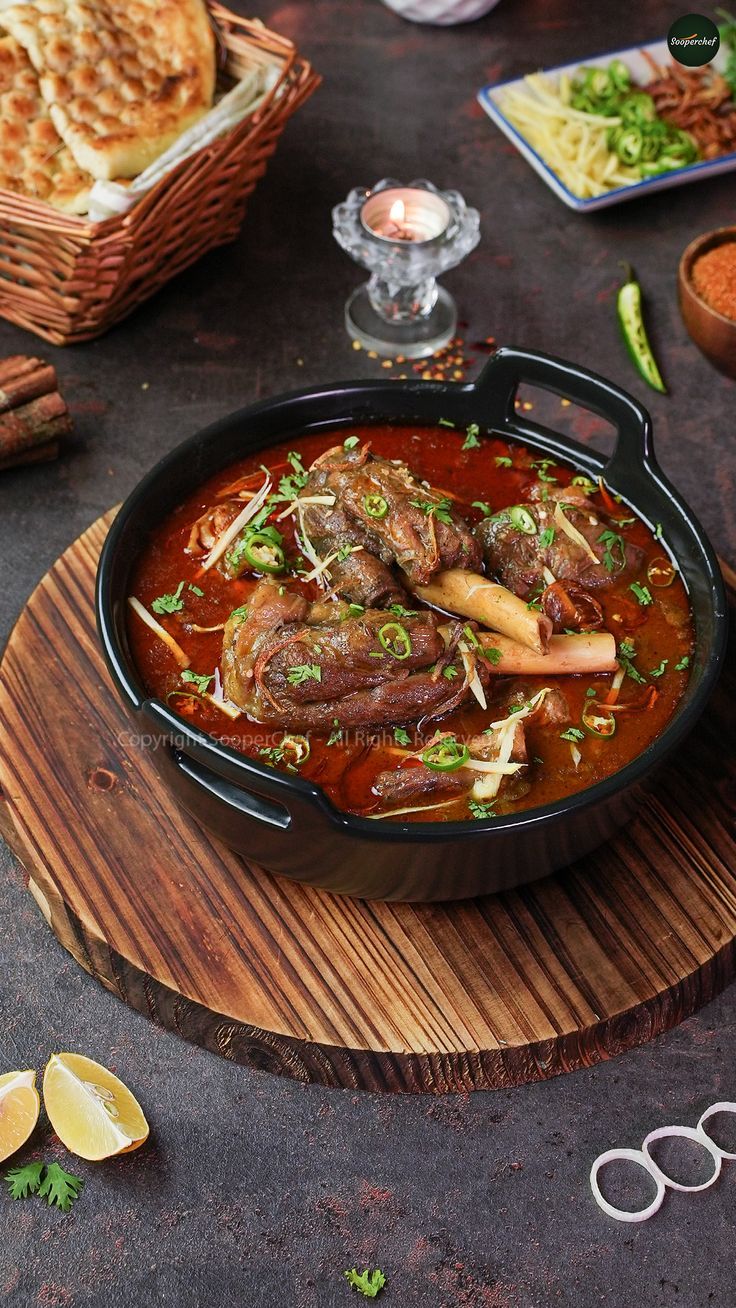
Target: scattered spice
(452, 363)
(714, 278)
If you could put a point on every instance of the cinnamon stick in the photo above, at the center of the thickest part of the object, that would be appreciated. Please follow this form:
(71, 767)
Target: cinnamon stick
(38, 454)
(33, 415)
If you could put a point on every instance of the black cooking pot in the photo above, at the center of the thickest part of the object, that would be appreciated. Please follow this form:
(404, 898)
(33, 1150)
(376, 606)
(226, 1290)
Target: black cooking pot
(287, 824)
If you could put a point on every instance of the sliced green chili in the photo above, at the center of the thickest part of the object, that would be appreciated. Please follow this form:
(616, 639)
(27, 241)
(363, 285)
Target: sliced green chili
(446, 755)
(263, 553)
(598, 720)
(395, 639)
(522, 519)
(375, 506)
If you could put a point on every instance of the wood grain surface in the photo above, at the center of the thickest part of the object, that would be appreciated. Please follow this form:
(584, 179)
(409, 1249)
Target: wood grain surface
(480, 994)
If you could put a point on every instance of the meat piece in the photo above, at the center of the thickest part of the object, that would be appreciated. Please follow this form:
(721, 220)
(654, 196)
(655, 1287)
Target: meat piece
(415, 780)
(553, 710)
(360, 577)
(404, 785)
(527, 560)
(207, 528)
(381, 506)
(571, 608)
(302, 665)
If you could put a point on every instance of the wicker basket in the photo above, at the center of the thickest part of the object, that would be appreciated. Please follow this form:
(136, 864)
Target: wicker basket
(69, 280)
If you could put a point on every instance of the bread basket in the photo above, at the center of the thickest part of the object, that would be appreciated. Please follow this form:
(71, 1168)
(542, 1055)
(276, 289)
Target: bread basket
(68, 279)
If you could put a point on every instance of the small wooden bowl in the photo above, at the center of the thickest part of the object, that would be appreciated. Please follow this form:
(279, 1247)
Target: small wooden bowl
(711, 331)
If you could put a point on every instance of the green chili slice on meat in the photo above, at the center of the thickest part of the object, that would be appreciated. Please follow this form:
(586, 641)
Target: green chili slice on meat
(395, 639)
(522, 519)
(446, 755)
(375, 506)
(263, 554)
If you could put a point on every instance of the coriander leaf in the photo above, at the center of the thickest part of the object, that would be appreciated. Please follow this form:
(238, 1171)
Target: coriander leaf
(481, 504)
(445, 422)
(590, 693)
(642, 593)
(355, 610)
(450, 672)
(240, 613)
(541, 466)
(481, 810)
(492, 654)
(546, 537)
(626, 655)
(60, 1188)
(612, 541)
(572, 733)
(658, 531)
(23, 1181)
(401, 612)
(684, 663)
(471, 441)
(401, 736)
(344, 552)
(169, 603)
(336, 734)
(195, 590)
(350, 442)
(439, 509)
(368, 1283)
(197, 679)
(503, 461)
(471, 637)
(296, 676)
(659, 671)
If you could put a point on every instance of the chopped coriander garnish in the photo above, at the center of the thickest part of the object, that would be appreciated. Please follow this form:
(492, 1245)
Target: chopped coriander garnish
(470, 635)
(492, 654)
(356, 610)
(472, 441)
(503, 461)
(590, 693)
(401, 612)
(335, 735)
(572, 733)
(541, 466)
(658, 672)
(445, 422)
(481, 504)
(450, 672)
(612, 542)
(537, 759)
(516, 708)
(344, 552)
(401, 737)
(350, 442)
(481, 810)
(585, 484)
(169, 603)
(241, 612)
(684, 663)
(368, 1283)
(658, 534)
(439, 509)
(546, 537)
(195, 590)
(197, 679)
(626, 655)
(642, 593)
(302, 672)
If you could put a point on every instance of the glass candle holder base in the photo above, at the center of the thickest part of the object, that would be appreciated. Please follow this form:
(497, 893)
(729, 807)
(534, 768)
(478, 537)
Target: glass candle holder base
(416, 339)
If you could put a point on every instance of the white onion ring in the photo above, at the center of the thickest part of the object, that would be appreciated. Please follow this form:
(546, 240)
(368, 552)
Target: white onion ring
(632, 1156)
(724, 1107)
(688, 1133)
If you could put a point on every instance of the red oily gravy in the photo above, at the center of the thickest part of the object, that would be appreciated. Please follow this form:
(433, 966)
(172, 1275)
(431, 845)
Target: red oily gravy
(345, 769)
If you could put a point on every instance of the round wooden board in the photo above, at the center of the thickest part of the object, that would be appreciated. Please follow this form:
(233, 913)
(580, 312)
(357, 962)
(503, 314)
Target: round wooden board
(473, 995)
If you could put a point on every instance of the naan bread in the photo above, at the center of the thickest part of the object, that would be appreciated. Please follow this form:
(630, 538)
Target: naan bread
(122, 78)
(34, 161)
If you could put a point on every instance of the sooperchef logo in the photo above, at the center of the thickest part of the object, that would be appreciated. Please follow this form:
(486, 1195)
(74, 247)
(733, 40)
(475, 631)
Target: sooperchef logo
(693, 40)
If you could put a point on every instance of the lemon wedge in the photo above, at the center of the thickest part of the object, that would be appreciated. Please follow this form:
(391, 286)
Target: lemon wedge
(19, 1109)
(94, 1115)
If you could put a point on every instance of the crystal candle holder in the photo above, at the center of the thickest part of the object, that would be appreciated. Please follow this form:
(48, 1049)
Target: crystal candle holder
(406, 236)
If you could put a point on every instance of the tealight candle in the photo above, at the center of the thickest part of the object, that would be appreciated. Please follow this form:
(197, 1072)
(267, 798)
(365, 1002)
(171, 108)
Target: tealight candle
(406, 214)
(406, 236)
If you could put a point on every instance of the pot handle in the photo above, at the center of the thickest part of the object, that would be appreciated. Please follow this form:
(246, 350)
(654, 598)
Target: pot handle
(509, 368)
(246, 802)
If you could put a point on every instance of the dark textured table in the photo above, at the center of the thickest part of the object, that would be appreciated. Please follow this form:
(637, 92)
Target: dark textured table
(253, 1190)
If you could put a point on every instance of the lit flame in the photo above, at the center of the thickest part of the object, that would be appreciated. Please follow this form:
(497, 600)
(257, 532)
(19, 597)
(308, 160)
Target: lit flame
(397, 212)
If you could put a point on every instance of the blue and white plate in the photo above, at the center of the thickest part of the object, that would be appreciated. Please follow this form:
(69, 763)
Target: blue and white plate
(492, 95)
